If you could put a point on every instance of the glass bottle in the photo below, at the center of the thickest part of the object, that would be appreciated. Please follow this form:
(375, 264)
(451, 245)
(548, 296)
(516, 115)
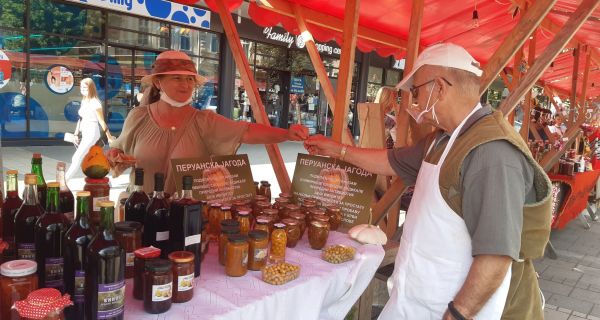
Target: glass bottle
(185, 226)
(66, 201)
(49, 232)
(105, 272)
(75, 244)
(25, 220)
(135, 206)
(11, 205)
(36, 168)
(156, 222)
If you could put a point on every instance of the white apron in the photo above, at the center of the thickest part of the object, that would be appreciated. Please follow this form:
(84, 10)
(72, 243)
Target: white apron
(434, 255)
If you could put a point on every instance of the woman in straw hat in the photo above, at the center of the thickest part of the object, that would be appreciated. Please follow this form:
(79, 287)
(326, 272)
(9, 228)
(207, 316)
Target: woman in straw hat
(167, 127)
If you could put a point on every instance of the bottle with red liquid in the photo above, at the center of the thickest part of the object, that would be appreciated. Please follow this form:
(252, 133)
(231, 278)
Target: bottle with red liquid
(135, 206)
(36, 168)
(66, 201)
(156, 222)
(26, 218)
(49, 232)
(11, 205)
(186, 224)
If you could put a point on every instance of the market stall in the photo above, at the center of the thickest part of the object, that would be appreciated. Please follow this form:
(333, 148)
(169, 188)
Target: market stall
(576, 189)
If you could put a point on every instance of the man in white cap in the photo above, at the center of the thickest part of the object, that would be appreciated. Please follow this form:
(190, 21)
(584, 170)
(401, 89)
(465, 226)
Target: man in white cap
(481, 205)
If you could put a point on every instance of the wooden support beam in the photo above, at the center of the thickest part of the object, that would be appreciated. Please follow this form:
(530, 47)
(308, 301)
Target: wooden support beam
(346, 72)
(528, 96)
(529, 21)
(552, 27)
(507, 82)
(412, 52)
(327, 21)
(317, 62)
(580, 15)
(258, 110)
(574, 78)
(584, 85)
(534, 133)
(552, 157)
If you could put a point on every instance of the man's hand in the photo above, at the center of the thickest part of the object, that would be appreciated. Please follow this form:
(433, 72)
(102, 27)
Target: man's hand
(319, 145)
(297, 132)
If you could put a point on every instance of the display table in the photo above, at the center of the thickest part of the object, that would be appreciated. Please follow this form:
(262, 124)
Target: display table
(323, 290)
(576, 190)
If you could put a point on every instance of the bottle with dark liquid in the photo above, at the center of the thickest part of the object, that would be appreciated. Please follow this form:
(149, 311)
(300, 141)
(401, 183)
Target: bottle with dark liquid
(135, 206)
(25, 220)
(11, 204)
(36, 168)
(186, 224)
(75, 244)
(66, 201)
(156, 223)
(105, 271)
(49, 232)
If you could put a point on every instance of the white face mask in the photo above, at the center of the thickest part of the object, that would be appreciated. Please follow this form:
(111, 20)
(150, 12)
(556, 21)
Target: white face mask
(418, 116)
(164, 97)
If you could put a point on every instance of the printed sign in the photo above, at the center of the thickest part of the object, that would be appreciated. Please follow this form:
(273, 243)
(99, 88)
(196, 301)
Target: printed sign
(297, 85)
(5, 69)
(158, 9)
(222, 179)
(290, 40)
(335, 182)
(59, 79)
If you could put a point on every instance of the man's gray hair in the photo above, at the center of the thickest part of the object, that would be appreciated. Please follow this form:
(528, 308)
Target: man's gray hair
(466, 82)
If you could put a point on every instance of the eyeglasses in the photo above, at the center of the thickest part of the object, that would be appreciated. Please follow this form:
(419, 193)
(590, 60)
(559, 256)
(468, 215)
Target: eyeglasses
(414, 90)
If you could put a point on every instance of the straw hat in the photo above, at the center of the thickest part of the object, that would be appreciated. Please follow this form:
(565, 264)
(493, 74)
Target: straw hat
(173, 62)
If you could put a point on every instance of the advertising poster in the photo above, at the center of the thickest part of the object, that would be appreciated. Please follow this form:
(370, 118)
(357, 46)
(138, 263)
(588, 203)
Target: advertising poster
(221, 179)
(5, 69)
(335, 182)
(59, 79)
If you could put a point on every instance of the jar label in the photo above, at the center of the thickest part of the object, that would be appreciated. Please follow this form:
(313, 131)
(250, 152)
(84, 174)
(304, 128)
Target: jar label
(54, 272)
(26, 251)
(162, 236)
(95, 202)
(260, 254)
(192, 240)
(162, 292)
(129, 259)
(111, 299)
(79, 294)
(185, 283)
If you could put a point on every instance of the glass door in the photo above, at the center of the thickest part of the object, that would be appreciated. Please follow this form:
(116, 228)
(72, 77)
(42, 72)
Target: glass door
(273, 88)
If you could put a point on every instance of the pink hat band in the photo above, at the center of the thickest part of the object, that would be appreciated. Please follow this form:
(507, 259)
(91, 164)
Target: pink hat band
(173, 65)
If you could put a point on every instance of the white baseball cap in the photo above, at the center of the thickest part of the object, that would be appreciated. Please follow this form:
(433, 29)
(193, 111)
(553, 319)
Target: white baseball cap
(443, 55)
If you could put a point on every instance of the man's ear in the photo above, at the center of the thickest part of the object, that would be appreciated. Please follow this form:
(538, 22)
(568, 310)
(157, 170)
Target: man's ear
(441, 89)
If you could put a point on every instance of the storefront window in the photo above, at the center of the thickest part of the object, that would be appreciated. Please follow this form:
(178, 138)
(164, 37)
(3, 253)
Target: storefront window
(12, 13)
(141, 32)
(13, 88)
(69, 20)
(374, 83)
(392, 77)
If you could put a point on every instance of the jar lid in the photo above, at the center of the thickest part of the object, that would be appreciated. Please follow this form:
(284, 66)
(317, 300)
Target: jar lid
(290, 222)
(297, 215)
(159, 265)
(181, 256)
(226, 207)
(230, 229)
(292, 206)
(263, 203)
(41, 302)
(244, 213)
(319, 224)
(96, 181)
(18, 268)
(258, 234)
(261, 221)
(147, 252)
(238, 238)
(285, 195)
(271, 212)
(215, 204)
(259, 197)
(316, 211)
(128, 226)
(229, 223)
(279, 226)
(282, 200)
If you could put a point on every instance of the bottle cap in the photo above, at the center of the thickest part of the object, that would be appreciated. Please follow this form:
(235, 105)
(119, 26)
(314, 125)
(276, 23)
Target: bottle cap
(18, 268)
(31, 179)
(53, 184)
(106, 204)
(159, 181)
(37, 155)
(139, 176)
(82, 194)
(147, 252)
(10, 172)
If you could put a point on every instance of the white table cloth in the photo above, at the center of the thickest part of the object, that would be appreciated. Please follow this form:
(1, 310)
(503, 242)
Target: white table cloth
(322, 291)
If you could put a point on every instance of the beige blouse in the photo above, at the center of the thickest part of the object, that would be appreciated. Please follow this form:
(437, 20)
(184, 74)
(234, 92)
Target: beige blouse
(205, 134)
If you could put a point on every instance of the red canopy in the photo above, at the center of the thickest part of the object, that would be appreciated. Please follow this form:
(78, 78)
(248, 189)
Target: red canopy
(448, 21)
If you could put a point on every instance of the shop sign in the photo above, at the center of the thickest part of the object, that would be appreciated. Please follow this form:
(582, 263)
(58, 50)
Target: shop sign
(399, 64)
(223, 178)
(158, 9)
(335, 182)
(290, 40)
(59, 79)
(5, 69)
(297, 85)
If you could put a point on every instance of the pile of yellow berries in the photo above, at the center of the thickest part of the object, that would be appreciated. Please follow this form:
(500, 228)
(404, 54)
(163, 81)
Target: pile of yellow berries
(338, 254)
(280, 273)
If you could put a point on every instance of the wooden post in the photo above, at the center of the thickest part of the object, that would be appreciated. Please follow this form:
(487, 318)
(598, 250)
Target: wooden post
(317, 62)
(584, 85)
(346, 72)
(528, 96)
(563, 36)
(574, 78)
(258, 109)
(530, 20)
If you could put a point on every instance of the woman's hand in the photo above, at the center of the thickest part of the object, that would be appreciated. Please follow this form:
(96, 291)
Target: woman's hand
(319, 145)
(110, 138)
(297, 132)
(119, 161)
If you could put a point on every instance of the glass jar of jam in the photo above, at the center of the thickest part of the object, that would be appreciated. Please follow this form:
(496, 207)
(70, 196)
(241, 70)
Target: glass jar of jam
(317, 234)
(236, 263)
(260, 206)
(234, 207)
(301, 218)
(262, 225)
(270, 221)
(315, 212)
(280, 203)
(335, 217)
(225, 212)
(18, 279)
(142, 255)
(271, 213)
(99, 191)
(321, 217)
(244, 219)
(292, 230)
(223, 239)
(129, 236)
(183, 275)
(46, 304)
(278, 243)
(258, 244)
(288, 209)
(158, 286)
(213, 220)
(286, 195)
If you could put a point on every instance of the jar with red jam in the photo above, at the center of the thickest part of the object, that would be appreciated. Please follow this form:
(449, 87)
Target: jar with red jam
(335, 217)
(288, 209)
(318, 232)
(142, 256)
(129, 236)
(301, 218)
(280, 203)
(292, 230)
(158, 286)
(272, 213)
(99, 191)
(18, 279)
(46, 303)
(183, 276)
